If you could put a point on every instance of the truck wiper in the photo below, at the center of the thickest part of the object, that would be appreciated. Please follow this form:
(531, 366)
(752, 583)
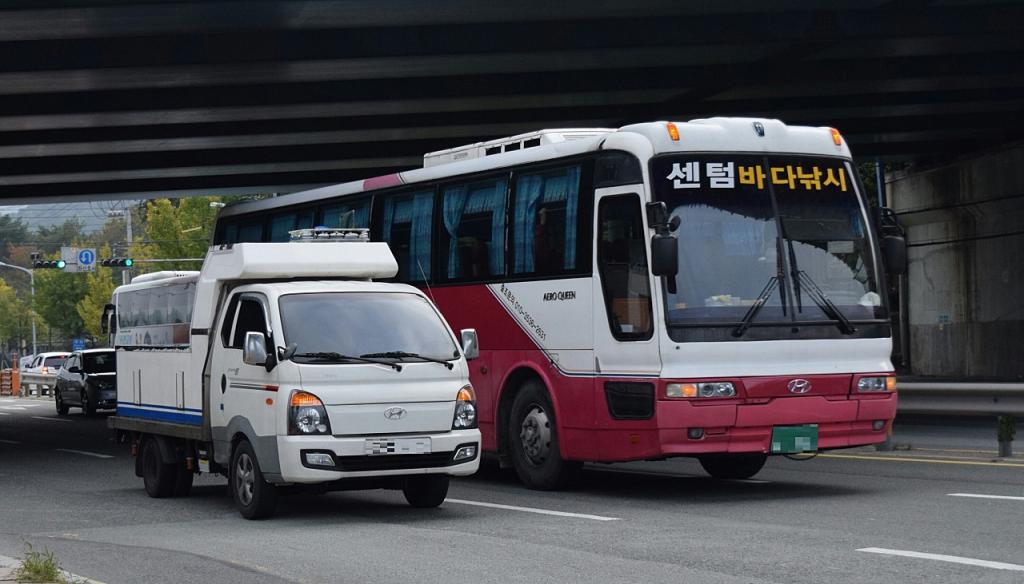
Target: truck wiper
(825, 304)
(405, 355)
(762, 298)
(332, 356)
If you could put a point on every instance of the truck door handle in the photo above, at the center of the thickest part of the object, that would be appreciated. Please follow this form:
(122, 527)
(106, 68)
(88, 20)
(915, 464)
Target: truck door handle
(223, 383)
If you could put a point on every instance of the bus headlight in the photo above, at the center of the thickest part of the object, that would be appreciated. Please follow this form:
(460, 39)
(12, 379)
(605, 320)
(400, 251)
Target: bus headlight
(465, 409)
(308, 415)
(876, 384)
(701, 389)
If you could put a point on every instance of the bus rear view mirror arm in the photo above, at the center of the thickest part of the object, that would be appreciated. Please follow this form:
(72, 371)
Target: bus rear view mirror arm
(470, 344)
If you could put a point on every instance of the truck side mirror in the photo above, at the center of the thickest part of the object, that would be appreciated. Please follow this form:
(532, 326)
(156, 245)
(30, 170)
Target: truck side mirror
(470, 344)
(894, 254)
(254, 352)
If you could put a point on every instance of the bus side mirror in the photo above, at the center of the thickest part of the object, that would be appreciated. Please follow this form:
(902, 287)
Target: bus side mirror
(664, 255)
(894, 254)
(470, 344)
(107, 320)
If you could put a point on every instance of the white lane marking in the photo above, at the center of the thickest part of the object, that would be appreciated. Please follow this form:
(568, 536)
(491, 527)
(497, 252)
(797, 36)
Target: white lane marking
(51, 419)
(86, 453)
(4, 414)
(13, 408)
(532, 510)
(945, 558)
(9, 442)
(977, 496)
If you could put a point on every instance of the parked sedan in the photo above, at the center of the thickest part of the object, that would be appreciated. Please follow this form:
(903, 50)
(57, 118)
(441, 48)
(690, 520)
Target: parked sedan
(88, 380)
(41, 374)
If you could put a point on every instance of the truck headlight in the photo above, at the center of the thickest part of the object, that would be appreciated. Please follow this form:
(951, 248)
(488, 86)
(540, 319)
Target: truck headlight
(701, 389)
(308, 415)
(465, 409)
(876, 384)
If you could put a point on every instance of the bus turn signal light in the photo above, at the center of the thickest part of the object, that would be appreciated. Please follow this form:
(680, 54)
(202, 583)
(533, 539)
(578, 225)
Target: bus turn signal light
(673, 131)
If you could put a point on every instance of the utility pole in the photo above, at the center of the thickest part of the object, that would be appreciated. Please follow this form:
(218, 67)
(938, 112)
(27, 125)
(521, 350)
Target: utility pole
(32, 284)
(127, 214)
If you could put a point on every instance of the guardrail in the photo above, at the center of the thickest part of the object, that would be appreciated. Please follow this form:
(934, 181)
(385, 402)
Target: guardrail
(964, 398)
(42, 382)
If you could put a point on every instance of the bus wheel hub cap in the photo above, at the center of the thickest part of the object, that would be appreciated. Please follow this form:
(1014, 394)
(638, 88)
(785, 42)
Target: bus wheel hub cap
(535, 435)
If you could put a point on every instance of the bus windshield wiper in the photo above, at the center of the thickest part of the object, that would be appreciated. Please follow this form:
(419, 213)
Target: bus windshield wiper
(762, 298)
(332, 356)
(825, 304)
(405, 355)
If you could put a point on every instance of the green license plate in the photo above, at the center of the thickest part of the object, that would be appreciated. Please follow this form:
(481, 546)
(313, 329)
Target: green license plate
(793, 439)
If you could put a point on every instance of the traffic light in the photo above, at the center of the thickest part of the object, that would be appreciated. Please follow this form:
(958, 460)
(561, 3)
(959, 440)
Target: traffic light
(117, 262)
(49, 264)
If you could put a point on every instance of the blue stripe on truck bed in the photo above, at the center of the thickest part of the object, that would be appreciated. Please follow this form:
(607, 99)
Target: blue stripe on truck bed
(163, 416)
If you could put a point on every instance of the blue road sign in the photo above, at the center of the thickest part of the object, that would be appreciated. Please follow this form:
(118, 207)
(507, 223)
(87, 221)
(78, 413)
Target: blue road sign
(86, 257)
(77, 344)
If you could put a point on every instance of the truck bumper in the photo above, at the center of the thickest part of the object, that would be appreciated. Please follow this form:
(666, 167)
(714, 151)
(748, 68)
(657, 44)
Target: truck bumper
(349, 457)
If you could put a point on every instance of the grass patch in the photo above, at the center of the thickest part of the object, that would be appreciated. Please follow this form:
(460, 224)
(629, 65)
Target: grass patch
(39, 566)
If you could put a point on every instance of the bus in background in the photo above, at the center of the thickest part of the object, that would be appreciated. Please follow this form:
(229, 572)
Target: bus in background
(711, 289)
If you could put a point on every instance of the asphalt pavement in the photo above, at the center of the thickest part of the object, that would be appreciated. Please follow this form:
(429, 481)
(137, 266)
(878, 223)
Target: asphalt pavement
(934, 513)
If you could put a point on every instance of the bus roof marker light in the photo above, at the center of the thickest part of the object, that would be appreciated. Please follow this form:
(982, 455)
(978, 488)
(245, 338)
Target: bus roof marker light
(837, 138)
(673, 131)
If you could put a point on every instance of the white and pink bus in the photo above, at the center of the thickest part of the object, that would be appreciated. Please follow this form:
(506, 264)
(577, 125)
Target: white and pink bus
(711, 289)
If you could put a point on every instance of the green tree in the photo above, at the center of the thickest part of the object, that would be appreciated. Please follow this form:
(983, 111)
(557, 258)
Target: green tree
(12, 313)
(57, 295)
(100, 285)
(12, 232)
(49, 240)
(177, 229)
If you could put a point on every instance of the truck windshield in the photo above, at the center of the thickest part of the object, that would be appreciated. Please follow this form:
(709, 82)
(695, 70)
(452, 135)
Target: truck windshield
(746, 221)
(363, 323)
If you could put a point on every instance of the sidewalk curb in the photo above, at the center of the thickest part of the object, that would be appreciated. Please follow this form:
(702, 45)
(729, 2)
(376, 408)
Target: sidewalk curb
(8, 565)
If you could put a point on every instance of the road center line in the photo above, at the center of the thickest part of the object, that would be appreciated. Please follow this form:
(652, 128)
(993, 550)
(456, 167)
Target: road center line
(927, 460)
(532, 510)
(945, 558)
(84, 452)
(51, 419)
(977, 496)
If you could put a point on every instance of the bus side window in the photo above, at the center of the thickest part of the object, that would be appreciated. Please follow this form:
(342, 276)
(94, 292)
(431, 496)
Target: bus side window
(281, 225)
(622, 262)
(545, 222)
(249, 232)
(473, 235)
(355, 214)
(406, 226)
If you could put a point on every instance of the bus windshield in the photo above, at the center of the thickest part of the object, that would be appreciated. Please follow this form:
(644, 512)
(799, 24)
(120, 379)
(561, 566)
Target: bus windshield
(362, 324)
(788, 229)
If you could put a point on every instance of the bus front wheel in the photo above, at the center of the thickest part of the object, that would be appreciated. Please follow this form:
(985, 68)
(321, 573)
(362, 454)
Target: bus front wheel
(733, 466)
(533, 441)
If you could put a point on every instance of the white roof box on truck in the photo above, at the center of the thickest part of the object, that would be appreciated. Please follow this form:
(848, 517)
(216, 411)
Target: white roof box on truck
(300, 259)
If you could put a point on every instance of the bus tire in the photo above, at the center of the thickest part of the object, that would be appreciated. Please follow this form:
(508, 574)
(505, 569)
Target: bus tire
(733, 466)
(533, 441)
(157, 476)
(254, 497)
(183, 480)
(426, 491)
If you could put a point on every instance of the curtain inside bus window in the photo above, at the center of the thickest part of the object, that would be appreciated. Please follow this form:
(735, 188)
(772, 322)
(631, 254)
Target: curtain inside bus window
(304, 219)
(546, 217)
(407, 229)
(622, 261)
(354, 214)
(230, 235)
(250, 232)
(474, 221)
(280, 226)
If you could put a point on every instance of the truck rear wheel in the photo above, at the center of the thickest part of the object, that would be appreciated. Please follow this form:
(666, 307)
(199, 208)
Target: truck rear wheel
(426, 491)
(254, 497)
(157, 476)
(533, 441)
(733, 466)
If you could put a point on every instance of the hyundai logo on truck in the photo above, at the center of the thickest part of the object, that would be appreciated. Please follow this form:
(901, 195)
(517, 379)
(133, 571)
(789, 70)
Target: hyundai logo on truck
(394, 413)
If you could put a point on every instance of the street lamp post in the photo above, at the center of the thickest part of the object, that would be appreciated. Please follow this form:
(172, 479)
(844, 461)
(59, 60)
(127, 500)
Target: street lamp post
(32, 284)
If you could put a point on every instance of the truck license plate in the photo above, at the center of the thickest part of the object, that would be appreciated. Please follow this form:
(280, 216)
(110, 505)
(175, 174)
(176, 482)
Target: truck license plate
(386, 446)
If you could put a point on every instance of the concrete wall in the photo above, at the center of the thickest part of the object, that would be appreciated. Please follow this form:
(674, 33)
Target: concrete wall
(965, 286)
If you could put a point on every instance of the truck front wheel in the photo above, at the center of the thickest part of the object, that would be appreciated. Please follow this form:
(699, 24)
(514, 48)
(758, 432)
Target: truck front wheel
(426, 491)
(254, 497)
(158, 477)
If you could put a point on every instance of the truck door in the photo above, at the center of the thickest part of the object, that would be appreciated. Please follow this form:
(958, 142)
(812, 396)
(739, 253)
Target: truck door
(239, 390)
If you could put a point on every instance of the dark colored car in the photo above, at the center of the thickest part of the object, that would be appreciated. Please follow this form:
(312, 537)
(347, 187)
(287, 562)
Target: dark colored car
(87, 380)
